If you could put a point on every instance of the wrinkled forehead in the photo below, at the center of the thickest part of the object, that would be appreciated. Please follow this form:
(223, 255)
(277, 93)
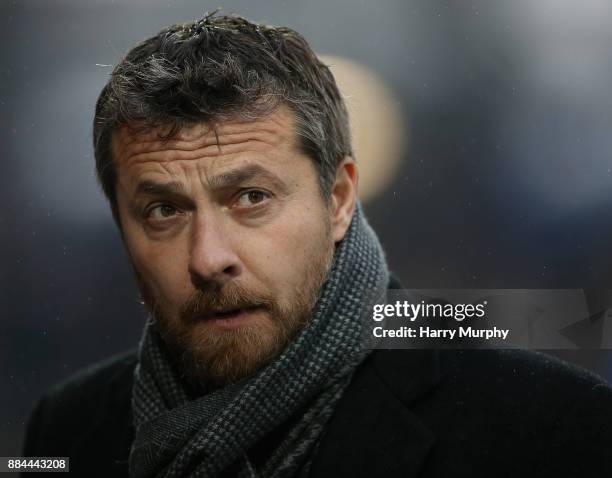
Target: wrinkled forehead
(133, 144)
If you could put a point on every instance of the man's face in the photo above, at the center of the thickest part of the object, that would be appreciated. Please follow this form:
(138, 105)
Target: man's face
(230, 239)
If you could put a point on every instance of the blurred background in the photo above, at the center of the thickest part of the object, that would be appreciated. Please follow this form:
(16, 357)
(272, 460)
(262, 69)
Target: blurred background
(482, 129)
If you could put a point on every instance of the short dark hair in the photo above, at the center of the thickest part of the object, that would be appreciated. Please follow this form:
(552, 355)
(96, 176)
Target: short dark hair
(216, 67)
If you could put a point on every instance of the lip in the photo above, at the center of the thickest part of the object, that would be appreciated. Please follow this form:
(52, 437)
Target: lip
(231, 319)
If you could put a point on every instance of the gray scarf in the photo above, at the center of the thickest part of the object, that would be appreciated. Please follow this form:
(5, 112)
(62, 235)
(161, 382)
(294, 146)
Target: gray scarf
(178, 437)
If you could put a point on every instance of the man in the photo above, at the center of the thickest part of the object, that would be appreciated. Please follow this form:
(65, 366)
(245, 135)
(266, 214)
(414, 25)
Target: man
(224, 150)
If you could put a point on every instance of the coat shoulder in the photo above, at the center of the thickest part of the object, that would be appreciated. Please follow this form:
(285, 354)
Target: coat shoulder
(521, 367)
(487, 405)
(69, 411)
(96, 378)
(531, 384)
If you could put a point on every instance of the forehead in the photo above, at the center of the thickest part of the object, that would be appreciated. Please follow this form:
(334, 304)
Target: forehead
(270, 136)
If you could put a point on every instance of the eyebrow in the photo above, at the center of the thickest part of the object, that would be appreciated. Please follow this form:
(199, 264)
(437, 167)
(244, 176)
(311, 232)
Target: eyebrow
(228, 179)
(153, 188)
(243, 174)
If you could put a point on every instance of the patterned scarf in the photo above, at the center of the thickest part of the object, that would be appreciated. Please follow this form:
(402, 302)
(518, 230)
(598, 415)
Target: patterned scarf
(177, 436)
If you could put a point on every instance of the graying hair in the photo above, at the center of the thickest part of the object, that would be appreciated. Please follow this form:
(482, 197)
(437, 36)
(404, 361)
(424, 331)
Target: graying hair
(217, 67)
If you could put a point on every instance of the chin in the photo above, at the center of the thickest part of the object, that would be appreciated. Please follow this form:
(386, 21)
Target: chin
(216, 356)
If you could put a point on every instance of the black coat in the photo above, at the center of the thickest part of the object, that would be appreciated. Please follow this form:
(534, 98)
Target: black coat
(408, 413)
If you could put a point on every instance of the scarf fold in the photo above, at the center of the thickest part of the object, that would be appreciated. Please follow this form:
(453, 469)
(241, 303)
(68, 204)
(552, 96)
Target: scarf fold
(208, 436)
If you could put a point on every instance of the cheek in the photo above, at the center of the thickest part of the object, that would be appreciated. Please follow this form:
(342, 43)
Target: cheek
(279, 254)
(163, 269)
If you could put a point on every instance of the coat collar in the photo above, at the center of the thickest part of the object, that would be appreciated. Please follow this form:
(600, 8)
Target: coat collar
(373, 432)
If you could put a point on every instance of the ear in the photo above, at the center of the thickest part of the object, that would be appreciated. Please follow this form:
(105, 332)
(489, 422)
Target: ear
(343, 197)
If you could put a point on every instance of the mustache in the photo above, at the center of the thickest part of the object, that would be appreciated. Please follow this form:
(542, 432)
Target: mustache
(231, 297)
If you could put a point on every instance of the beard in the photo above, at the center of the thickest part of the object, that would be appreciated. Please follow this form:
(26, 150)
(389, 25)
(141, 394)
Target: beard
(208, 357)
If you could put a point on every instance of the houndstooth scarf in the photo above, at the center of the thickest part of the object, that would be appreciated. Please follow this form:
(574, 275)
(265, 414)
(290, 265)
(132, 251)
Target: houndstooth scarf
(178, 437)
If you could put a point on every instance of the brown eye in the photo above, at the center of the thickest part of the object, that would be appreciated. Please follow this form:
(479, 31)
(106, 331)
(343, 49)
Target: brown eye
(162, 211)
(252, 198)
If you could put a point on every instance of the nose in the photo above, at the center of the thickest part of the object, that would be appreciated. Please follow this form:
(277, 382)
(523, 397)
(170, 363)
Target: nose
(212, 261)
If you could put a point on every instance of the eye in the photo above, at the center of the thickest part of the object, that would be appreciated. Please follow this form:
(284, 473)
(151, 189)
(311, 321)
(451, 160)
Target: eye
(161, 212)
(252, 198)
